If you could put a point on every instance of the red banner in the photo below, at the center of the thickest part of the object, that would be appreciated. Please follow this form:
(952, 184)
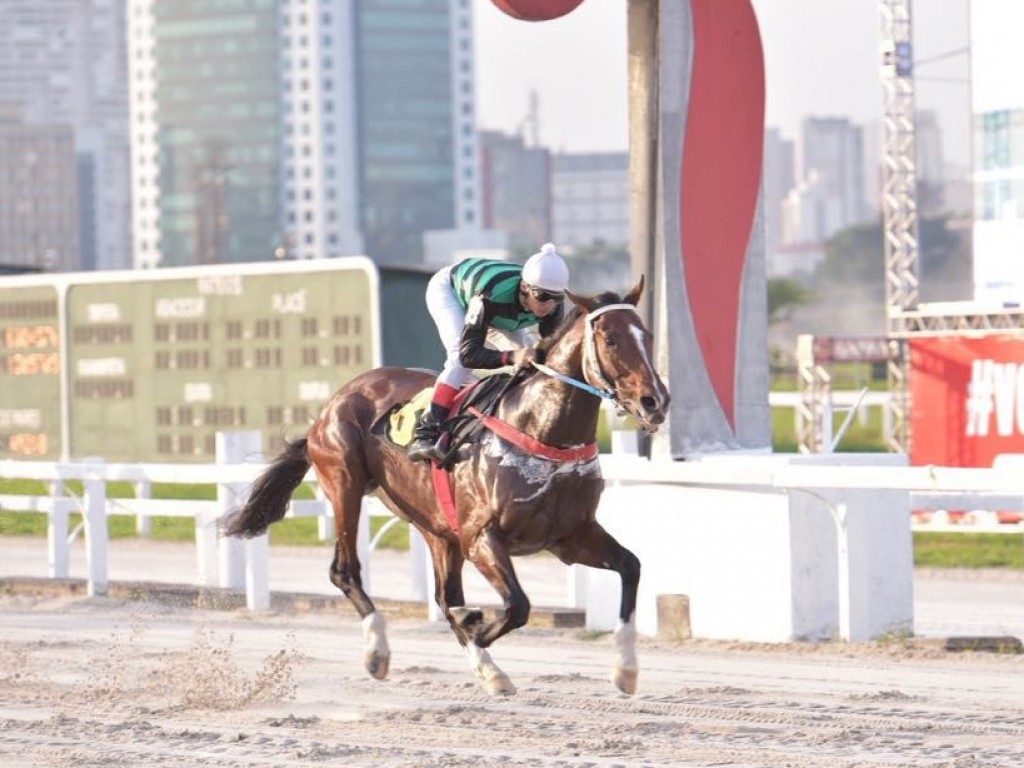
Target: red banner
(967, 398)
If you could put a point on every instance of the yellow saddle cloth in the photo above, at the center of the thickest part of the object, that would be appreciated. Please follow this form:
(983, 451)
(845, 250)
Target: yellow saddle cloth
(402, 423)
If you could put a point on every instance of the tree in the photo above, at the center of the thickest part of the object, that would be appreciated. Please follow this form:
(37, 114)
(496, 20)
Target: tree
(785, 294)
(855, 256)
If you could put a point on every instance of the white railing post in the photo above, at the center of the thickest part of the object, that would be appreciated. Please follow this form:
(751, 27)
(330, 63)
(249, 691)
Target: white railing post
(257, 583)
(58, 554)
(143, 523)
(206, 547)
(363, 543)
(423, 573)
(235, 447)
(826, 427)
(844, 583)
(95, 515)
(419, 556)
(576, 586)
(325, 521)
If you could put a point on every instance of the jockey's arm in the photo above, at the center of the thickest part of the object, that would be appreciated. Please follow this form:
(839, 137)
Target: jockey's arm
(473, 349)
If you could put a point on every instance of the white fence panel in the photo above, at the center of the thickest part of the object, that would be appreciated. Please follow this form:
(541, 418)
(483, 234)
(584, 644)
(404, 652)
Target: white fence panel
(999, 488)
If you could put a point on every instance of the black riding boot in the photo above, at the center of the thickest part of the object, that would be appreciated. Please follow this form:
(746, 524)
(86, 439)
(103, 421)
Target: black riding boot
(424, 445)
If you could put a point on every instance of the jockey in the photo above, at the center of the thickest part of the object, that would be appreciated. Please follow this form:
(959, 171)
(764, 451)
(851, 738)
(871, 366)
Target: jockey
(474, 299)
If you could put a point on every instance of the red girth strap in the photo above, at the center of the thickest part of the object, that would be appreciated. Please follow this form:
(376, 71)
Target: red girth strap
(533, 445)
(442, 479)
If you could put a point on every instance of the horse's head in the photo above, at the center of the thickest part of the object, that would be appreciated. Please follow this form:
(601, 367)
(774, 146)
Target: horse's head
(618, 355)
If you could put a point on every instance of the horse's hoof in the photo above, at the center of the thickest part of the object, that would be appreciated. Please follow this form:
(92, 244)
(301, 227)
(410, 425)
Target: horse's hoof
(499, 685)
(625, 680)
(377, 665)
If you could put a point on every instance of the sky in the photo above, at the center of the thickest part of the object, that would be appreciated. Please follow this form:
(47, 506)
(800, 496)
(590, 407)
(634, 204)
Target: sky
(821, 59)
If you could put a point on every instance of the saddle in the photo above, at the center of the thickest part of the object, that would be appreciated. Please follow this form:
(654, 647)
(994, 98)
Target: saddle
(460, 428)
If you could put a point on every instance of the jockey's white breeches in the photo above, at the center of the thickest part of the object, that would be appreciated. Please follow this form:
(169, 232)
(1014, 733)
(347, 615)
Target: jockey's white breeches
(450, 317)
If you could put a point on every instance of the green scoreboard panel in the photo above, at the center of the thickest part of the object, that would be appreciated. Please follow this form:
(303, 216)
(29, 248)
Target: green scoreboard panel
(30, 349)
(158, 364)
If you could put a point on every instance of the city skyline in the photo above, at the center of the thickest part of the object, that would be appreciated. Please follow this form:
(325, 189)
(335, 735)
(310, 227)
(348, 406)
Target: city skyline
(564, 60)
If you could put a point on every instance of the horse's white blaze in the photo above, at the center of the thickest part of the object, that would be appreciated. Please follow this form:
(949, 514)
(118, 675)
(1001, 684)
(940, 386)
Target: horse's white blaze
(638, 334)
(625, 645)
(375, 634)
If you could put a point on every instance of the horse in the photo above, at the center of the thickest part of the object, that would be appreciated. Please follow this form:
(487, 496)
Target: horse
(509, 501)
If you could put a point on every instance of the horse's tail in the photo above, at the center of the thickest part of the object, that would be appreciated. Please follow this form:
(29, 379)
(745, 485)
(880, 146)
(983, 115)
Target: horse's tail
(271, 493)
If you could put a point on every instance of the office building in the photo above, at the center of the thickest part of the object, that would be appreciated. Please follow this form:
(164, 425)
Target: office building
(62, 67)
(590, 198)
(39, 221)
(779, 179)
(515, 181)
(300, 129)
(830, 160)
(997, 58)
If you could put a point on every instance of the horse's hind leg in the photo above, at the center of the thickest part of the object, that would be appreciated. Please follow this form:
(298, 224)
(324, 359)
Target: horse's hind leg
(595, 547)
(343, 485)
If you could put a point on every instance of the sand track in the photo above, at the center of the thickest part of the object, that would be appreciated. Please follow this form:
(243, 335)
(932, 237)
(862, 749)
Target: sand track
(108, 683)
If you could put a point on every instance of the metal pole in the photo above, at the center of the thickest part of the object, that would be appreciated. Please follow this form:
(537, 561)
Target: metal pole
(643, 162)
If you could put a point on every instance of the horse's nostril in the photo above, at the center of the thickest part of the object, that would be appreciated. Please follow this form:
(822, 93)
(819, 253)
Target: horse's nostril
(649, 404)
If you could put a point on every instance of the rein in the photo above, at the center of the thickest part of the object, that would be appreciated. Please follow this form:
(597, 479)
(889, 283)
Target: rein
(532, 445)
(575, 382)
(605, 390)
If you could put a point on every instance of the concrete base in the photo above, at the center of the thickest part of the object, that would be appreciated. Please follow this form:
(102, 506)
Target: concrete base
(674, 617)
(763, 563)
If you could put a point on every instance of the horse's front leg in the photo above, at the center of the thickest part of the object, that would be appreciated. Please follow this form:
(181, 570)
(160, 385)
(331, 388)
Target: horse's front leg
(595, 547)
(448, 593)
(491, 558)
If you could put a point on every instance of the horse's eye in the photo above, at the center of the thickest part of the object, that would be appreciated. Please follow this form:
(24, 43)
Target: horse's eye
(609, 340)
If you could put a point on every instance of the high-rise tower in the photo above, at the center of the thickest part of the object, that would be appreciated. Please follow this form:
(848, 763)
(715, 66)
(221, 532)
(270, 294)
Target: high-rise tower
(300, 128)
(62, 68)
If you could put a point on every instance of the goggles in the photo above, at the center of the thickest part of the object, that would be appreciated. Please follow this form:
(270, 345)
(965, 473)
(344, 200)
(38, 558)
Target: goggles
(545, 296)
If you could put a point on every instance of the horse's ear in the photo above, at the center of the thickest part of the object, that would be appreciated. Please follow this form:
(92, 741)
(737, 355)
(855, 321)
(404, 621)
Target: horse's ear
(585, 304)
(633, 297)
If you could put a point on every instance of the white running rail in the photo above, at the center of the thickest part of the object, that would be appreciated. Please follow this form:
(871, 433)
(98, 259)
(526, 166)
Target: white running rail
(243, 564)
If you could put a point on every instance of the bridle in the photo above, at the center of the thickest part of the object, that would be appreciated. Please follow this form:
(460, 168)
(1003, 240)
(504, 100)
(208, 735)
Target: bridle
(591, 373)
(594, 381)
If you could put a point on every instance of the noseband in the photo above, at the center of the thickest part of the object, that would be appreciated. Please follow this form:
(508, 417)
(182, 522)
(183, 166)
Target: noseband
(594, 380)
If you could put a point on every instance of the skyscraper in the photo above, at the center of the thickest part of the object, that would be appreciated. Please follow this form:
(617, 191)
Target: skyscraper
(998, 107)
(417, 123)
(207, 123)
(39, 221)
(62, 63)
(779, 179)
(831, 157)
(516, 190)
(590, 198)
(300, 128)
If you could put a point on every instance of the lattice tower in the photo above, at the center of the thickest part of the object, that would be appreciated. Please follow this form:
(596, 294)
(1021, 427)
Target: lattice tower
(899, 204)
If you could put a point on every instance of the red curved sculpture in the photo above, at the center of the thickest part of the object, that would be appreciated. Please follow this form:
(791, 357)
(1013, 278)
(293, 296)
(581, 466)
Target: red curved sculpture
(721, 179)
(536, 10)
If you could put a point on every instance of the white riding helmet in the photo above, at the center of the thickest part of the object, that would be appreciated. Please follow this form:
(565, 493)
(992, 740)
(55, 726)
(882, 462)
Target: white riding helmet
(547, 270)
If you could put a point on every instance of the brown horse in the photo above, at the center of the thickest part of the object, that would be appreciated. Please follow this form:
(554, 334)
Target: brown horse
(509, 500)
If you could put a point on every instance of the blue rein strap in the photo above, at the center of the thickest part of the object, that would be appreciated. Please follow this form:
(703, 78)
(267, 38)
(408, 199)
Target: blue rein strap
(575, 382)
